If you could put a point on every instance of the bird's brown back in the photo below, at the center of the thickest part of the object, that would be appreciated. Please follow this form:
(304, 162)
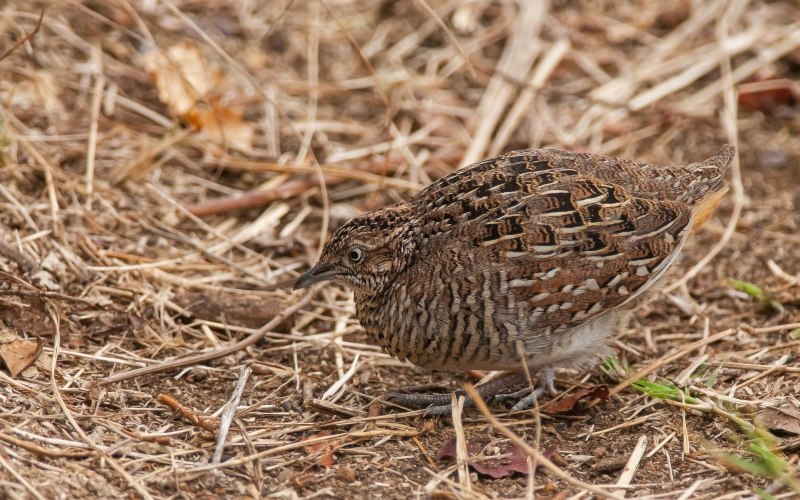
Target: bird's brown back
(530, 253)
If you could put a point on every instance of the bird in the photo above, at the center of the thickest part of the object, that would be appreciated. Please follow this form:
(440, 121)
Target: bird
(525, 262)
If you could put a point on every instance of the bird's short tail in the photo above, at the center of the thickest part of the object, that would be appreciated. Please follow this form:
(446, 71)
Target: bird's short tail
(709, 187)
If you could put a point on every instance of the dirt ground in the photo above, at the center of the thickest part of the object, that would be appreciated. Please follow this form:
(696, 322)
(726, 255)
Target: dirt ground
(169, 167)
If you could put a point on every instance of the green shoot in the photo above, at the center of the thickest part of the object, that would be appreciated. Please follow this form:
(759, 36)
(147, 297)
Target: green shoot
(712, 379)
(754, 291)
(664, 390)
(759, 443)
(763, 494)
(616, 369)
(763, 461)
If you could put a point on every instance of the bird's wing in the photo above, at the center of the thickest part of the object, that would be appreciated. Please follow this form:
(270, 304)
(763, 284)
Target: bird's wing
(557, 244)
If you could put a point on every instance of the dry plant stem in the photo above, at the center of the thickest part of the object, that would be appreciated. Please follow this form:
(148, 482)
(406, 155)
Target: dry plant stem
(255, 198)
(425, 453)
(312, 70)
(24, 39)
(205, 357)
(41, 451)
(35, 292)
(448, 33)
(529, 450)
(365, 60)
(230, 410)
(522, 103)
(205, 423)
(143, 164)
(327, 170)
(633, 464)
(91, 150)
(333, 391)
(462, 455)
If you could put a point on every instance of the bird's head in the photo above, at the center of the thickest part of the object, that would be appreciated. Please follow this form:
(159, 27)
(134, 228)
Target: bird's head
(366, 254)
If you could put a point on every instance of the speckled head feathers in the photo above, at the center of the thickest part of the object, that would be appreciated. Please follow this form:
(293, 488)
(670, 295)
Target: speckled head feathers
(366, 253)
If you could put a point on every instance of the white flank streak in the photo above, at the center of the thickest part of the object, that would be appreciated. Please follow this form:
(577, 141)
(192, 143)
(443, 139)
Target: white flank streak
(589, 201)
(653, 233)
(516, 283)
(511, 255)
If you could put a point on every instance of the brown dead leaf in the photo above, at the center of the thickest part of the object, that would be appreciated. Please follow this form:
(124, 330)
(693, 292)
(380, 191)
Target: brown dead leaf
(784, 418)
(20, 354)
(374, 409)
(510, 458)
(181, 75)
(325, 449)
(223, 125)
(189, 86)
(766, 95)
(568, 403)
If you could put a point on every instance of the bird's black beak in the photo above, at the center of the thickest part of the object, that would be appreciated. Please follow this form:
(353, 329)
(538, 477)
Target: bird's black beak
(320, 272)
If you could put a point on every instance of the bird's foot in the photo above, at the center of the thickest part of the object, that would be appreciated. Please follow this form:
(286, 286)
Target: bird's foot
(436, 403)
(440, 403)
(545, 385)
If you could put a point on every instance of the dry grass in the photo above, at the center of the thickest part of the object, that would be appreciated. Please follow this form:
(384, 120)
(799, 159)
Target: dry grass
(129, 239)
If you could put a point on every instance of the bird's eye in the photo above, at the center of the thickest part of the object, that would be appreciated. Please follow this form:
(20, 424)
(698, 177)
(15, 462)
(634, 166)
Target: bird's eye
(355, 254)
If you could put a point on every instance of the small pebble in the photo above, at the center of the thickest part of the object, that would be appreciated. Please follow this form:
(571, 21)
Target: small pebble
(346, 474)
(610, 464)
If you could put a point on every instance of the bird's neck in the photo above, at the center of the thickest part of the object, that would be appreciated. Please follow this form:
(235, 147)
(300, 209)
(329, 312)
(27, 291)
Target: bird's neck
(371, 313)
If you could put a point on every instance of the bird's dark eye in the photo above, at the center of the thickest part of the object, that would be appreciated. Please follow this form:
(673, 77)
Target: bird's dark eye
(355, 254)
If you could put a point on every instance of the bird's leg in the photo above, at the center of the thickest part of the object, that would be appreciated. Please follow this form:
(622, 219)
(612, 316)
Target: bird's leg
(439, 403)
(546, 379)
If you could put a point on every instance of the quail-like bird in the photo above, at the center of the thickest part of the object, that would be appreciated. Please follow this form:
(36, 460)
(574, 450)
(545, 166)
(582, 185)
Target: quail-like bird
(529, 258)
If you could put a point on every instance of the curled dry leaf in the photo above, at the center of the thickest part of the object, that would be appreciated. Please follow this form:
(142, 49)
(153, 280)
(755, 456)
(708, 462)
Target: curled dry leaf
(181, 75)
(766, 95)
(223, 124)
(785, 418)
(189, 86)
(568, 403)
(20, 354)
(324, 448)
(510, 459)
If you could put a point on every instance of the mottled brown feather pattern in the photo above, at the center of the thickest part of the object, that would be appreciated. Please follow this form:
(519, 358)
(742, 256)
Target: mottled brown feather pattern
(529, 255)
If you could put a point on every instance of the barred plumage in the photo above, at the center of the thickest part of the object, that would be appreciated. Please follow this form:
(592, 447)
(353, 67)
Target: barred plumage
(527, 257)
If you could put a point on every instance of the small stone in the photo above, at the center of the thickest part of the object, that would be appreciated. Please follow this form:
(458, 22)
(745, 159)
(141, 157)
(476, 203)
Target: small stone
(285, 475)
(345, 474)
(610, 464)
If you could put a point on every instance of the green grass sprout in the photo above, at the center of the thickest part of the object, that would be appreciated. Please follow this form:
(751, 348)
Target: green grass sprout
(756, 292)
(761, 459)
